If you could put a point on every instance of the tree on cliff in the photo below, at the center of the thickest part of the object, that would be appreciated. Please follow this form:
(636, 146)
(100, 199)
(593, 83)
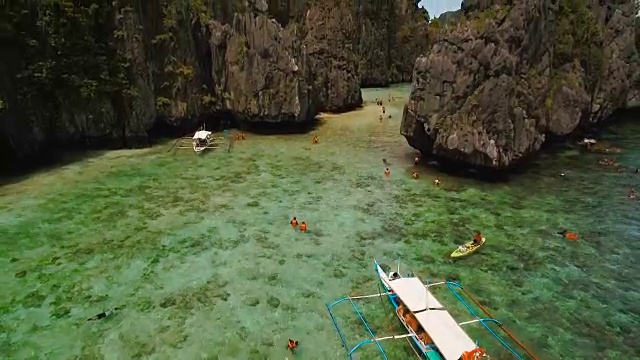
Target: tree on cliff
(578, 37)
(64, 56)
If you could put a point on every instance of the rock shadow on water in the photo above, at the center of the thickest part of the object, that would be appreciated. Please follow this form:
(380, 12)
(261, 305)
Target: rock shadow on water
(284, 127)
(461, 169)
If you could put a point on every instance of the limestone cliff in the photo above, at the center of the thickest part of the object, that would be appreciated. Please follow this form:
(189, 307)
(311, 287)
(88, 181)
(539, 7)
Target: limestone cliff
(105, 72)
(498, 82)
(330, 27)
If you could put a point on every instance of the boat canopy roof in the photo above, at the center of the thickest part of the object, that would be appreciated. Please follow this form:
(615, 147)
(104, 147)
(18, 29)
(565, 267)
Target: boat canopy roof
(414, 294)
(202, 134)
(448, 336)
(446, 333)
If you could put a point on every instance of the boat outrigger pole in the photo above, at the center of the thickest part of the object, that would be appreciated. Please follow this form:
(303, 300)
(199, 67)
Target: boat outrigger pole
(451, 285)
(373, 339)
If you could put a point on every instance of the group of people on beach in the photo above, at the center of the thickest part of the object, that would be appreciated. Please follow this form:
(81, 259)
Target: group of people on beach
(611, 162)
(416, 160)
(414, 172)
(384, 109)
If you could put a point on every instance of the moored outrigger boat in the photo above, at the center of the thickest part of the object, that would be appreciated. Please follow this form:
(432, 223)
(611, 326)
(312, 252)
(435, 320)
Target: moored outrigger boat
(201, 140)
(434, 333)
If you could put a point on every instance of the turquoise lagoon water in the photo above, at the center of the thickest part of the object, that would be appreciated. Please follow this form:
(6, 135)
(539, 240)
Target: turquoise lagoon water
(198, 252)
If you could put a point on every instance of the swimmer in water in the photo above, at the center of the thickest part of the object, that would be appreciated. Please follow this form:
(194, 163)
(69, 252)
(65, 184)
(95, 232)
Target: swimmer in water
(387, 172)
(569, 235)
(294, 222)
(436, 182)
(303, 226)
(315, 139)
(292, 345)
(104, 314)
(416, 160)
(414, 175)
(242, 136)
(385, 162)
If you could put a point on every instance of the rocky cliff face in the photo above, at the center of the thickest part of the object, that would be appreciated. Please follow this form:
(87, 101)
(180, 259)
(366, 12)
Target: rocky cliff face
(102, 74)
(497, 83)
(330, 33)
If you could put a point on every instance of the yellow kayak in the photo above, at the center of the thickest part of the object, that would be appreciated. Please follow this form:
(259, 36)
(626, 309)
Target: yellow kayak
(469, 248)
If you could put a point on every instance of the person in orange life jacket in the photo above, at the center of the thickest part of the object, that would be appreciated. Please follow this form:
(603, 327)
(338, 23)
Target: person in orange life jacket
(477, 238)
(475, 354)
(294, 222)
(303, 226)
(569, 235)
(292, 345)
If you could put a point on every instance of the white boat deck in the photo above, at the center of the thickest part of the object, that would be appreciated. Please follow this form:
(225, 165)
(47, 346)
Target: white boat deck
(414, 294)
(448, 336)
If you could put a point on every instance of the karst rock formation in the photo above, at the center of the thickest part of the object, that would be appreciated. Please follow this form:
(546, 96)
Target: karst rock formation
(508, 75)
(105, 72)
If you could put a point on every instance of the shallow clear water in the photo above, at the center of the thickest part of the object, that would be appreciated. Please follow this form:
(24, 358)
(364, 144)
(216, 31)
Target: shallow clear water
(198, 250)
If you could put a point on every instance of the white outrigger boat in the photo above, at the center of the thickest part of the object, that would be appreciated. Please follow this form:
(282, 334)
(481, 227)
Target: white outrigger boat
(435, 334)
(201, 140)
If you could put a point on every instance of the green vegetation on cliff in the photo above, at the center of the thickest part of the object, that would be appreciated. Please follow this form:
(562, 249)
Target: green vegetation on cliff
(578, 37)
(577, 46)
(67, 57)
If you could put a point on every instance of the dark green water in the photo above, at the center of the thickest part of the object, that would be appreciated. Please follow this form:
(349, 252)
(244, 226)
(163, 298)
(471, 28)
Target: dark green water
(199, 252)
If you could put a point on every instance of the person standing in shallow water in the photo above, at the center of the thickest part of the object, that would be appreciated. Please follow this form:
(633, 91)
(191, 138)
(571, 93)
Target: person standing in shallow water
(292, 345)
(294, 222)
(387, 172)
